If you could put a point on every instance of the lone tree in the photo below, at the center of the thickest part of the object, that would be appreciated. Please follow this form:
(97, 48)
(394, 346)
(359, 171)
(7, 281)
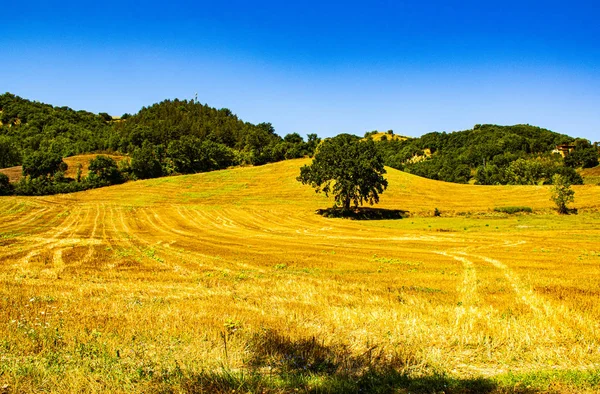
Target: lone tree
(562, 194)
(347, 167)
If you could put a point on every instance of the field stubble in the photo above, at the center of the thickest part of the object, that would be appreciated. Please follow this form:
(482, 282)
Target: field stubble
(161, 283)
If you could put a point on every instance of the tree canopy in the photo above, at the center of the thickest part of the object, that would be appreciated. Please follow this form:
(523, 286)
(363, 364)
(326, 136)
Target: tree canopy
(170, 137)
(349, 168)
(489, 154)
(562, 194)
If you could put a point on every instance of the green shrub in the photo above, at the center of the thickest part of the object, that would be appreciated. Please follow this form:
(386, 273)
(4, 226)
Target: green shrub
(513, 210)
(5, 186)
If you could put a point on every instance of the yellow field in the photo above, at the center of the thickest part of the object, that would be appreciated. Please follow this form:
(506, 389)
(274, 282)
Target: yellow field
(229, 281)
(591, 176)
(389, 137)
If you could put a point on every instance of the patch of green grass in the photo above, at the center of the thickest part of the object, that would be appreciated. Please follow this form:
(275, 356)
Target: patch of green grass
(384, 260)
(551, 381)
(513, 210)
(10, 235)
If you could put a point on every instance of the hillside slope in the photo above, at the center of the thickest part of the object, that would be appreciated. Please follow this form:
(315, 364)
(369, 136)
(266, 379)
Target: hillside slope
(27, 125)
(486, 154)
(591, 176)
(274, 185)
(229, 279)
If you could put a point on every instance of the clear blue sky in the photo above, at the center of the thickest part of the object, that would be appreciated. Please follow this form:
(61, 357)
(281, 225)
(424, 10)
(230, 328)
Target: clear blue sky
(316, 66)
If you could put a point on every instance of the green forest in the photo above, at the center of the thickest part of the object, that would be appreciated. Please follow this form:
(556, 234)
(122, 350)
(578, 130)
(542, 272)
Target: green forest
(490, 155)
(171, 137)
(185, 136)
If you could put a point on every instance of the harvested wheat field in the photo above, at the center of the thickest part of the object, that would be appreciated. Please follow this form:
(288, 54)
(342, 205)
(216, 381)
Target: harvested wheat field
(229, 281)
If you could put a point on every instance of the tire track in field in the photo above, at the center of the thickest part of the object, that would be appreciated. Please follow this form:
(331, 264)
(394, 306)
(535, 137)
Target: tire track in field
(48, 219)
(468, 308)
(38, 241)
(183, 254)
(560, 315)
(281, 237)
(89, 240)
(90, 252)
(70, 240)
(184, 272)
(21, 221)
(227, 238)
(214, 235)
(8, 206)
(37, 244)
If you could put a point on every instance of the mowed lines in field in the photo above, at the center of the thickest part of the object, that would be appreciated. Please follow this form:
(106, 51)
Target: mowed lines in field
(44, 251)
(177, 262)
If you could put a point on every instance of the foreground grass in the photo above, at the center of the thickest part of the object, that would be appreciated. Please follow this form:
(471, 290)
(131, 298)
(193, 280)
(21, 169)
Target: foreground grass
(229, 281)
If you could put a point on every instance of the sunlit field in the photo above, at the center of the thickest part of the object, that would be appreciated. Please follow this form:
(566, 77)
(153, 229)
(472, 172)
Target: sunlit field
(229, 281)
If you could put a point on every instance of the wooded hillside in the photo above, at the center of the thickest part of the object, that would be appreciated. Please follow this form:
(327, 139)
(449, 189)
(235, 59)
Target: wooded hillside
(490, 154)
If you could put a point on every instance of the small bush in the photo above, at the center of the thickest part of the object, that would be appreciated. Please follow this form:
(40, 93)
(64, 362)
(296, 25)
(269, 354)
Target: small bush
(5, 186)
(513, 210)
(562, 194)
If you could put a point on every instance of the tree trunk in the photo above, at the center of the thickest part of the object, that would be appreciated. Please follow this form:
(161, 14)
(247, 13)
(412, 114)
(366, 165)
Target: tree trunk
(346, 203)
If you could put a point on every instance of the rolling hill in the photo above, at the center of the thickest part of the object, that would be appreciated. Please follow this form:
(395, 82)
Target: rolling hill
(228, 280)
(591, 176)
(262, 186)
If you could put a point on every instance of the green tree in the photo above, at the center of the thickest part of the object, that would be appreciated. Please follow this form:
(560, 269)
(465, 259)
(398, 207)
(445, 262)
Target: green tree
(105, 117)
(350, 169)
(312, 143)
(260, 141)
(562, 194)
(41, 163)
(9, 152)
(5, 186)
(104, 170)
(145, 162)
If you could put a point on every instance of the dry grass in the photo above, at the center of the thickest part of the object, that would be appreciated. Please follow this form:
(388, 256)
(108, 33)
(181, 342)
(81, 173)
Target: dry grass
(205, 281)
(13, 173)
(389, 137)
(16, 173)
(591, 176)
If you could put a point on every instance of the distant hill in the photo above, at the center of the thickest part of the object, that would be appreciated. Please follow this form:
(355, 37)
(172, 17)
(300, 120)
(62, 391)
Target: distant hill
(185, 136)
(170, 120)
(484, 155)
(27, 126)
(167, 138)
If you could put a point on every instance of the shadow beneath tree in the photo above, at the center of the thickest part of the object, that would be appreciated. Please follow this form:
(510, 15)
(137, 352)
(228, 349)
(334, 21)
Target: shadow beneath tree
(364, 213)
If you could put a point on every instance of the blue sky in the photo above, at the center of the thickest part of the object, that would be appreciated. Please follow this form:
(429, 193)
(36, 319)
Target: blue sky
(316, 66)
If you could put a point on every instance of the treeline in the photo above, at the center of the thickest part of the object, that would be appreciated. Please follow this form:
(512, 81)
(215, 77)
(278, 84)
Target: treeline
(490, 154)
(171, 137)
(44, 173)
(29, 126)
(182, 136)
